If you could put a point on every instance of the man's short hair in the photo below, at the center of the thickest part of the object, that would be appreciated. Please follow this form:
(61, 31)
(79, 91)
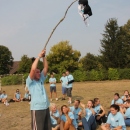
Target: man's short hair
(128, 100)
(78, 100)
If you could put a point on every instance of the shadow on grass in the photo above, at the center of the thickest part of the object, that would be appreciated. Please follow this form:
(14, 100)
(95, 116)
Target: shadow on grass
(77, 97)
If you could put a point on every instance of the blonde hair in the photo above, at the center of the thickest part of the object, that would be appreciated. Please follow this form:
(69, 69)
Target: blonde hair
(52, 105)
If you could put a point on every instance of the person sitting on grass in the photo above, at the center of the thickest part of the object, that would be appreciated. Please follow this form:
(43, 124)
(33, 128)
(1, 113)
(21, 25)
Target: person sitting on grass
(117, 100)
(17, 96)
(127, 113)
(100, 112)
(125, 96)
(52, 82)
(88, 121)
(4, 98)
(27, 96)
(77, 112)
(115, 119)
(68, 121)
(55, 117)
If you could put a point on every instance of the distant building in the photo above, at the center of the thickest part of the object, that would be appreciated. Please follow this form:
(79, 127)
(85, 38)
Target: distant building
(14, 68)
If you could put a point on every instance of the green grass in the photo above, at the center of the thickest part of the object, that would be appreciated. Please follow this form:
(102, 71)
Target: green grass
(17, 115)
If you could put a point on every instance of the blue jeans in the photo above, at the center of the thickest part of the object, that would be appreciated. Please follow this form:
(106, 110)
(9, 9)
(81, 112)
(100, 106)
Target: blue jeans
(90, 124)
(127, 122)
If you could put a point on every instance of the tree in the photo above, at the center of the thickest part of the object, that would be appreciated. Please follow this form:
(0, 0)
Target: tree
(89, 62)
(125, 38)
(62, 57)
(25, 64)
(112, 47)
(6, 60)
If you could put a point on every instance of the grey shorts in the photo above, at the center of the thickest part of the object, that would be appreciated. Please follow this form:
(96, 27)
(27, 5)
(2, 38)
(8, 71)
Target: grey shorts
(52, 89)
(68, 91)
(40, 119)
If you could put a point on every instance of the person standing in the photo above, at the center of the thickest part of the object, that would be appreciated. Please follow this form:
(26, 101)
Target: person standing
(40, 115)
(70, 80)
(63, 81)
(52, 82)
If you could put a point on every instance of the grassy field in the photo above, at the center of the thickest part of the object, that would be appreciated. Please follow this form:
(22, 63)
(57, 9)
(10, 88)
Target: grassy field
(16, 116)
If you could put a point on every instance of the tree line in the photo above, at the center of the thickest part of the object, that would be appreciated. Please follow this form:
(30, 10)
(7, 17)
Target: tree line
(114, 57)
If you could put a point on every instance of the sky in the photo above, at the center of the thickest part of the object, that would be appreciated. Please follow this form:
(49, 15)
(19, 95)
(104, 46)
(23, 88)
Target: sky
(25, 25)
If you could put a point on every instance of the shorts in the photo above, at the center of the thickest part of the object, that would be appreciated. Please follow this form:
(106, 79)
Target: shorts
(68, 91)
(53, 125)
(40, 119)
(63, 90)
(52, 89)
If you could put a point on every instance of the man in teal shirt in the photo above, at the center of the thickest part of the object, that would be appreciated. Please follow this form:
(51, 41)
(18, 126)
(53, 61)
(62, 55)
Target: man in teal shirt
(39, 101)
(52, 82)
(64, 84)
(70, 81)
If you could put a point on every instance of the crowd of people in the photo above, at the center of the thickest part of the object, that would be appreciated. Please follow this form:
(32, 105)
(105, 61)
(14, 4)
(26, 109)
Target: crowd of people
(77, 116)
(16, 98)
(89, 116)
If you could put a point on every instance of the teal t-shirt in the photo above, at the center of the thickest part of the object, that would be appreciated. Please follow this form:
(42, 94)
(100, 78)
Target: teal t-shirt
(53, 120)
(116, 120)
(97, 109)
(119, 101)
(3, 96)
(69, 78)
(71, 115)
(64, 81)
(127, 113)
(52, 80)
(88, 113)
(17, 95)
(26, 95)
(75, 111)
(39, 99)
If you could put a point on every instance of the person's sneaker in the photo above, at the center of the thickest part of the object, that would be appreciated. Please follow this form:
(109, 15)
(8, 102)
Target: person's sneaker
(7, 104)
(56, 99)
(69, 102)
(50, 99)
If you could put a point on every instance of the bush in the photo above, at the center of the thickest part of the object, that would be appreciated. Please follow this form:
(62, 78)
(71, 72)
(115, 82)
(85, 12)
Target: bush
(113, 74)
(12, 80)
(79, 75)
(124, 73)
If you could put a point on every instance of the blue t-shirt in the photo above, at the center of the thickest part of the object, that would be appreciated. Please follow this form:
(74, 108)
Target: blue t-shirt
(26, 95)
(75, 111)
(71, 115)
(69, 78)
(127, 113)
(119, 101)
(39, 99)
(88, 113)
(17, 95)
(122, 97)
(97, 109)
(116, 120)
(53, 120)
(3, 96)
(52, 80)
(64, 81)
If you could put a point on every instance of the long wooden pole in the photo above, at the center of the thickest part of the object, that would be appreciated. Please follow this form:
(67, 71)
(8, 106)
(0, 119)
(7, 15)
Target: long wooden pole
(59, 23)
